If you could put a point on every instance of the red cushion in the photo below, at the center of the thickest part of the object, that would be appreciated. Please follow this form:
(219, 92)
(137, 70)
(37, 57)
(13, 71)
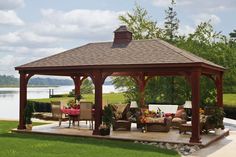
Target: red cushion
(168, 114)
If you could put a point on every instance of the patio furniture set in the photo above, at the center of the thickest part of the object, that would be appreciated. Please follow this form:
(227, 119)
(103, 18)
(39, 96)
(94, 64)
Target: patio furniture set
(155, 118)
(83, 111)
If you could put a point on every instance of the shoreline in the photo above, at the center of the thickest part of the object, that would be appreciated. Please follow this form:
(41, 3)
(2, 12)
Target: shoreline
(30, 86)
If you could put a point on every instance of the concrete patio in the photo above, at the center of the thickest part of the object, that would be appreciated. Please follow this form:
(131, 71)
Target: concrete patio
(83, 130)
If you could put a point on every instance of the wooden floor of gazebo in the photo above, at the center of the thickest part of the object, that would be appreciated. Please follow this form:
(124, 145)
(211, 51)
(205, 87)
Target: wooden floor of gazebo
(172, 136)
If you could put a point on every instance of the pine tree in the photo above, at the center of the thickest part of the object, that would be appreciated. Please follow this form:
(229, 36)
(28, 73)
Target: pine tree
(171, 23)
(232, 41)
(171, 28)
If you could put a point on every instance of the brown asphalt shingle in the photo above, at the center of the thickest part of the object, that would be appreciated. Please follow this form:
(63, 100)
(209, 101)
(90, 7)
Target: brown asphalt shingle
(136, 52)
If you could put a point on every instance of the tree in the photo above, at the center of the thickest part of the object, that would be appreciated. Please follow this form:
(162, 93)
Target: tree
(233, 35)
(142, 27)
(140, 24)
(171, 28)
(204, 42)
(8, 80)
(232, 41)
(213, 46)
(87, 87)
(171, 23)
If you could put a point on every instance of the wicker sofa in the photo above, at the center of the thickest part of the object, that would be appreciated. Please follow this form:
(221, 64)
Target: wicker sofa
(151, 122)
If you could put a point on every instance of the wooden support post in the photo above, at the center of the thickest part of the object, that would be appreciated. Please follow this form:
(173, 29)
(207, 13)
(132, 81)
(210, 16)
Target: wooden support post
(219, 89)
(78, 82)
(142, 90)
(195, 85)
(23, 98)
(141, 82)
(98, 82)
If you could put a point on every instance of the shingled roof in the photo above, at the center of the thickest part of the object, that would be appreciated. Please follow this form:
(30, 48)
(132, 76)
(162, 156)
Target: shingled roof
(136, 52)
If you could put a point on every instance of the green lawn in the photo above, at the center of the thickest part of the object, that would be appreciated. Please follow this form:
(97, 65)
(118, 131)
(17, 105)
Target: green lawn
(17, 145)
(230, 99)
(108, 97)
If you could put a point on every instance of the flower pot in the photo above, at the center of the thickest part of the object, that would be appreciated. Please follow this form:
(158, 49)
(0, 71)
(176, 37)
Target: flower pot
(217, 131)
(105, 132)
(29, 126)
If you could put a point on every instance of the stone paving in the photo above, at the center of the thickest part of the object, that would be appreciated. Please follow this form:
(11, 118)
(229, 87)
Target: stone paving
(224, 147)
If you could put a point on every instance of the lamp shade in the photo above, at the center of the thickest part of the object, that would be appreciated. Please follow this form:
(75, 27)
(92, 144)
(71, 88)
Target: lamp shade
(133, 104)
(188, 104)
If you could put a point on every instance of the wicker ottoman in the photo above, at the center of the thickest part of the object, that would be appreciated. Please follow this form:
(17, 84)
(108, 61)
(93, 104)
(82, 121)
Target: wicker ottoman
(122, 125)
(176, 122)
(185, 127)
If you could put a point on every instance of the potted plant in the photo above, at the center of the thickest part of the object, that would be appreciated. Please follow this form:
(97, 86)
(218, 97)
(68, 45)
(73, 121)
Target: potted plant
(78, 98)
(106, 121)
(29, 109)
(217, 119)
(72, 104)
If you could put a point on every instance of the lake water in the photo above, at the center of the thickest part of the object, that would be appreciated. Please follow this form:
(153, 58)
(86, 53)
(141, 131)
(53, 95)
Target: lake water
(9, 98)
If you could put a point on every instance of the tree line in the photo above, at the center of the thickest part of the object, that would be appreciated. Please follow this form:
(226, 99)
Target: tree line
(204, 42)
(6, 80)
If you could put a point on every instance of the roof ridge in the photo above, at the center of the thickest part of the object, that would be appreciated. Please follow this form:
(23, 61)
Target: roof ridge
(141, 40)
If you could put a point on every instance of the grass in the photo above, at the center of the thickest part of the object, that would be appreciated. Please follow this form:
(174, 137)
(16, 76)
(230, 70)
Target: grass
(13, 144)
(107, 97)
(230, 100)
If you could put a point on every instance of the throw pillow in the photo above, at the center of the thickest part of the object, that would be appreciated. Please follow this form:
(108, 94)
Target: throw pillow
(179, 113)
(178, 120)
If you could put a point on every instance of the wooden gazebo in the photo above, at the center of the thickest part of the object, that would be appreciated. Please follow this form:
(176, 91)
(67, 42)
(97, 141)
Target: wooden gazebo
(140, 59)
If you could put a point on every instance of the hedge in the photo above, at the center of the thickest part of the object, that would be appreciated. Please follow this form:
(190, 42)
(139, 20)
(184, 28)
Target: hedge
(40, 106)
(230, 111)
(61, 95)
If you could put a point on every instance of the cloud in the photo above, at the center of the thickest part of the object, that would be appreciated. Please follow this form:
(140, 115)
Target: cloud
(12, 56)
(27, 38)
(79, 23)
(204, 17)
(52, 33)
(10, 18)
(166, 3)
(199, 5)
(11, 4)
(185, 29)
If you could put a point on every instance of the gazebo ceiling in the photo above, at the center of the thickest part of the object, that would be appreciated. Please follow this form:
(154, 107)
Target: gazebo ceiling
(123, 52)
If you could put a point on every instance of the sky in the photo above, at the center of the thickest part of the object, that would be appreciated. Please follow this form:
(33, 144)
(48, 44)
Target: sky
(33, 29)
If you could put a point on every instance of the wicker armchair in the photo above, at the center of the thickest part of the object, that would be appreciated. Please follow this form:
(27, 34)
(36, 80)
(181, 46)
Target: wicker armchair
(121, 121)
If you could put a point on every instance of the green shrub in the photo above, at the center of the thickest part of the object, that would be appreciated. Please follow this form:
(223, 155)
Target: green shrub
(40, 106)
(29, 109)
(230, 111)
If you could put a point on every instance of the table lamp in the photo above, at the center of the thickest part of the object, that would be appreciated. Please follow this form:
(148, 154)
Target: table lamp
(133, 104)
(188, 104)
